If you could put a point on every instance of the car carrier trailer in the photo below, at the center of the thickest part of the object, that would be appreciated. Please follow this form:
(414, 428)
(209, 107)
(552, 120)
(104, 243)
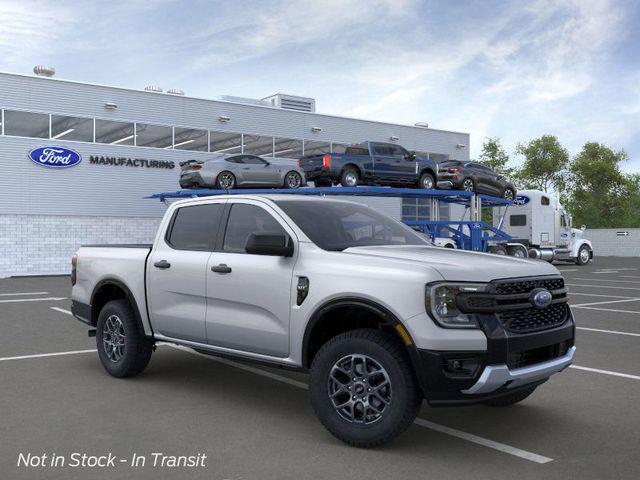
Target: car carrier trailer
(466, 234)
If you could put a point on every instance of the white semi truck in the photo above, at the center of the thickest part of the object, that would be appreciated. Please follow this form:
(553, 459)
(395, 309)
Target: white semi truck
(538, 221)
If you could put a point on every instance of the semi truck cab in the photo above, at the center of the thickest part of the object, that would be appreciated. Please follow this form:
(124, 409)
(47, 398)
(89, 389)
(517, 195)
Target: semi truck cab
(538, 220)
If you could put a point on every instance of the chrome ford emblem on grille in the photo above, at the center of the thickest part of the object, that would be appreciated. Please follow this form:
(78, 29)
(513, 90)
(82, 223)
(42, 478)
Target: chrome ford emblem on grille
(541, 298)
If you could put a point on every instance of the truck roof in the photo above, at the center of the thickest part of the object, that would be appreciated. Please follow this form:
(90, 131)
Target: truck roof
(267, 196)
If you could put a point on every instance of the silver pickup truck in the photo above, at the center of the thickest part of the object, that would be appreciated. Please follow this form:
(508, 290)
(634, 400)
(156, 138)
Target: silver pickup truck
(378, 317)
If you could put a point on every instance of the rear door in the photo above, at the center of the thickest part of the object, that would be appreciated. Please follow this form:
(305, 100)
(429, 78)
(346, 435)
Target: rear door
(249, 302)
(177, 272)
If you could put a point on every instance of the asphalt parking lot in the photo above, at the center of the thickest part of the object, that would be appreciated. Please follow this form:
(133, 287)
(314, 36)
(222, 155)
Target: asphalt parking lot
(257, 423)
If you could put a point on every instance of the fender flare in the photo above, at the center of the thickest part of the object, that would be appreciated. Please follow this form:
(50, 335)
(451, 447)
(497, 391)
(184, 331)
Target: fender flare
(370, 305)
(580, 243)
(129, 296)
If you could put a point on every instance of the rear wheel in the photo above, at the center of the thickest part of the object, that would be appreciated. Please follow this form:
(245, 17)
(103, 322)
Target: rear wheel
(349, 178)
(226, 180)
(512, 399)
(123, 349)
(293, 180)
(584, 255)
(427, 181)
(468, 185)
(498, 250)
(363, 388)
(518, 251)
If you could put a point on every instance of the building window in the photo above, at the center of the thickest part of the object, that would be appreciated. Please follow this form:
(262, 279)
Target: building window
(257, 145)
(71, 128)
(26, 124)
(157, 136)
(190, 139)
(287, 148)
(316, 148)
(225, 142)
(115, 133)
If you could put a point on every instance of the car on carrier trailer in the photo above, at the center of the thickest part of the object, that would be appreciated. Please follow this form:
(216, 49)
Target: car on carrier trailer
(379, 318)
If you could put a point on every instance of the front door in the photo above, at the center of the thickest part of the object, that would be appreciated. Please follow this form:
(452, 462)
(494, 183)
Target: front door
(177, 272)
(258, 171)
(249, 297)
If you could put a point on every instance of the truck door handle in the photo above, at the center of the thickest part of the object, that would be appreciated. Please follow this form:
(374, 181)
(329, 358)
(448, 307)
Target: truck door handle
(222, 268)
(162, 264)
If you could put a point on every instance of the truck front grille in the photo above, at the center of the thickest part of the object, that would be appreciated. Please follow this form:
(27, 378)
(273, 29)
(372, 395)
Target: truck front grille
(510, 301)
(532, 319)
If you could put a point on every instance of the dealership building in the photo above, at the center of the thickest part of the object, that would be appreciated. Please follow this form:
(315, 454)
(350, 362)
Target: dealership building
(128, 143)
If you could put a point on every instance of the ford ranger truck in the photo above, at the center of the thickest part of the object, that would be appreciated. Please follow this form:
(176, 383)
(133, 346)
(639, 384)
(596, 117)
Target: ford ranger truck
(380, 319)
(371, 163)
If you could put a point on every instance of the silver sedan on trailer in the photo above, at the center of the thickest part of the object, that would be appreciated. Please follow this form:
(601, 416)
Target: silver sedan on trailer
(241, 170)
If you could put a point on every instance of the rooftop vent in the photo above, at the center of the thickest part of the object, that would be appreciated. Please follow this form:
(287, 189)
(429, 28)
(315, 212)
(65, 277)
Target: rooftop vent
(43, 71)
(175, 91)
(153, 88)
(291, 102)
(422, 124)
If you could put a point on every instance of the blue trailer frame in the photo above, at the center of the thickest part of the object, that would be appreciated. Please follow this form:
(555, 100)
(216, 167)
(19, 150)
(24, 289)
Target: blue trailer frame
(473, 234)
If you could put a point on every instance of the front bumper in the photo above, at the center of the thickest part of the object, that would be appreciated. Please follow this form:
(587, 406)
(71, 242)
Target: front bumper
(510, 362)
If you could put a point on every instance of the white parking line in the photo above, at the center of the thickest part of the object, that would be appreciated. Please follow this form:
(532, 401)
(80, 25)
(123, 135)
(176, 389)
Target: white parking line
(49, 299)
(629, 276)
(605, 309)
(608, 301)
(42, 355)
(607, 280)
(616, 332)
(24, 293)
(61, 310)
(533, 457)
(602, 286)
(597, 295)
(568, 269)
(606, 372)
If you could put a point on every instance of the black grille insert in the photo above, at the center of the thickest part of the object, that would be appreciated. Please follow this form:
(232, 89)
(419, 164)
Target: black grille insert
(532, 319)
(537, 355)
(525, 286)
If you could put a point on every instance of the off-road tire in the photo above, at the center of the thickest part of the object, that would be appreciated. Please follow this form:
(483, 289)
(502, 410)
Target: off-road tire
(510, 399)
(405, 397)
(137, 347)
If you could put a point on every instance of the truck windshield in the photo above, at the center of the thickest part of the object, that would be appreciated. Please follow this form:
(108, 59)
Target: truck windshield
(340, 225)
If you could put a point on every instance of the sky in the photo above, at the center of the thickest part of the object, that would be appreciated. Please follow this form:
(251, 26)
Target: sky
(509, 69)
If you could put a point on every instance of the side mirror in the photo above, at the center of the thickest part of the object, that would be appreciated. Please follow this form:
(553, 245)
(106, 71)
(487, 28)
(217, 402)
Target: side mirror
(278, 245)
(410, 156)
(583, 228)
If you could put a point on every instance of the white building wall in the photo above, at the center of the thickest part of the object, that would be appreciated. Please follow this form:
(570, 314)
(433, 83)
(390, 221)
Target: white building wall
(611, 242)
(44, 244)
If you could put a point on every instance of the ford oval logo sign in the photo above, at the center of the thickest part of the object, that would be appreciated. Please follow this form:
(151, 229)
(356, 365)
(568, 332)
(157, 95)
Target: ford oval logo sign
(521, 200)
(55, 157)
(541, 298)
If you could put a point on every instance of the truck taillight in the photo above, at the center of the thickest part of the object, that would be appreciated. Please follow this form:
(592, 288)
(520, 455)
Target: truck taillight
(74, 264)
(298, 163)
(326, 161)
(196, 167)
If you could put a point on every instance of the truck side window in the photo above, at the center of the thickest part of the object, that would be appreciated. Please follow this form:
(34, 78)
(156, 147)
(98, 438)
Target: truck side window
(244, 220)
(544, 201)
(517, 220)
(195, 228)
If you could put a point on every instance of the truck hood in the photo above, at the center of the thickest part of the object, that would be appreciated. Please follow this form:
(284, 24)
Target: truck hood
(460, 265)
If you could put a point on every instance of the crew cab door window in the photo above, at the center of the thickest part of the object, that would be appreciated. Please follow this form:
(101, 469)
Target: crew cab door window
(195, 228)
(245, 219)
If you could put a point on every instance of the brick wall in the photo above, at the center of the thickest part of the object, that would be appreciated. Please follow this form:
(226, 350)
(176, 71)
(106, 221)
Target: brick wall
(611, 242)
(44, 244)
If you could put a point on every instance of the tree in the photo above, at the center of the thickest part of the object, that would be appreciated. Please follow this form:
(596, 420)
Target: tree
(545, 164)
(600, 194)
(494, 156)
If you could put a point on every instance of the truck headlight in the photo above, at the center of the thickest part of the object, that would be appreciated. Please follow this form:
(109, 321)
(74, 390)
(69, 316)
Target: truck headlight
(442, 305)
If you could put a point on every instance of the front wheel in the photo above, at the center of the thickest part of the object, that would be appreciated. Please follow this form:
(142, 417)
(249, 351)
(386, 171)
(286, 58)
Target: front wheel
(363, 388)
(123, 349)
(427, 181)
(584, 255)
(512, 399)
(293, 180)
